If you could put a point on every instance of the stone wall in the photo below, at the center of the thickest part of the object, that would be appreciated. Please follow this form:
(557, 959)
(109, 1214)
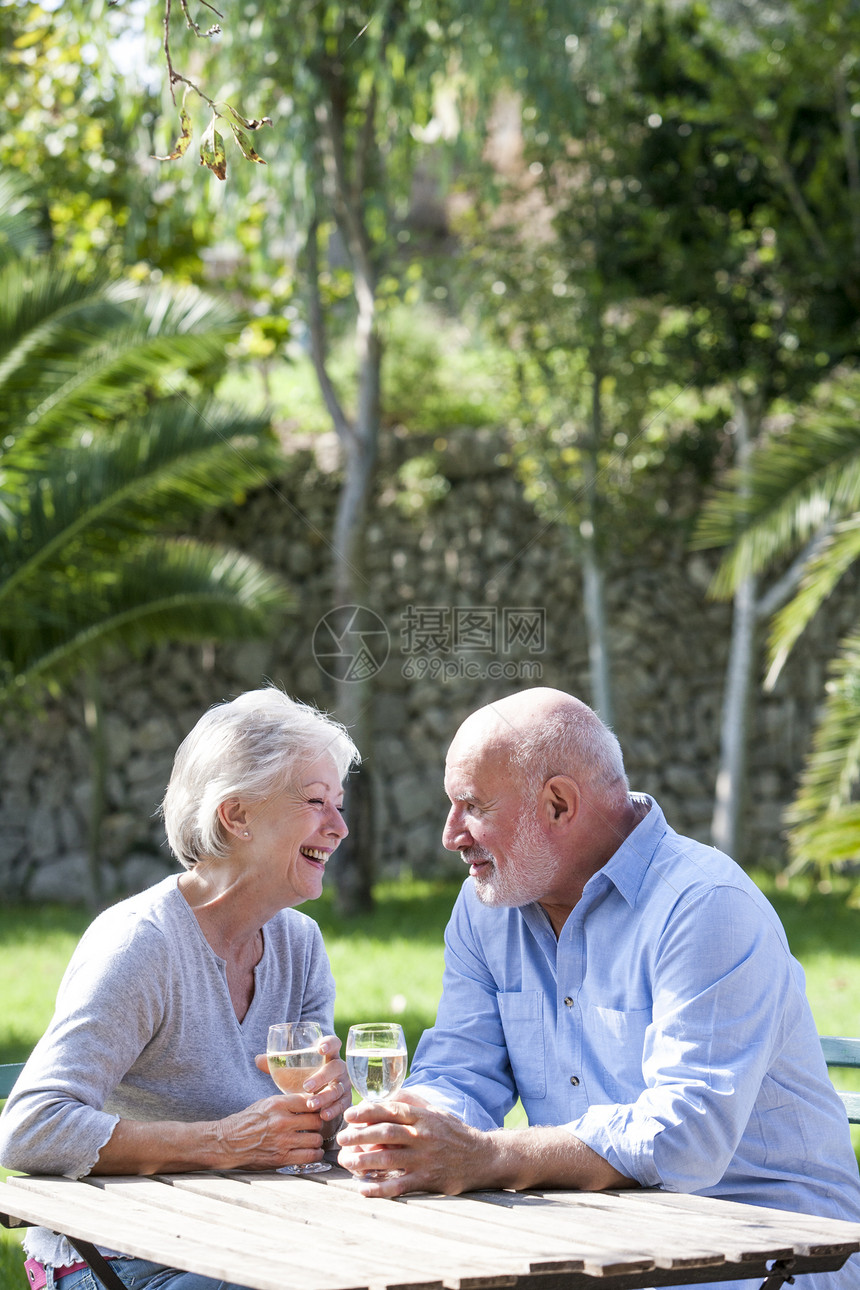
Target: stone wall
(465, 565)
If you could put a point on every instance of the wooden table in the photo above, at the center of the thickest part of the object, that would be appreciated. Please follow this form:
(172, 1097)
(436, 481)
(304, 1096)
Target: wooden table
(277, 1232)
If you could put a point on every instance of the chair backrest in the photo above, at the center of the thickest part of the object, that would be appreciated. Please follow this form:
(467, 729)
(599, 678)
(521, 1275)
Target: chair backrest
(9, 1072)
(839, 1051)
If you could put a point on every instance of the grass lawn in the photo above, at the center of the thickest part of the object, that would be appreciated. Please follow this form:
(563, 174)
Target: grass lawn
(388, 966)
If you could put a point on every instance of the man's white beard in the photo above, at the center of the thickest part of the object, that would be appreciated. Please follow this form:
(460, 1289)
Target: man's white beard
(529, 869)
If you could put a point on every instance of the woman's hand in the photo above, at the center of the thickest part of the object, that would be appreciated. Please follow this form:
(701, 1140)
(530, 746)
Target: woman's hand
(276, 1131)
(284, 1129)
(327, 1089)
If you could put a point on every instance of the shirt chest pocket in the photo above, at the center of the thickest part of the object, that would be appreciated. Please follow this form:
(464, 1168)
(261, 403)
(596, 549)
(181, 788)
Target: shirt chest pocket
(616, 1042)
(522, 1017)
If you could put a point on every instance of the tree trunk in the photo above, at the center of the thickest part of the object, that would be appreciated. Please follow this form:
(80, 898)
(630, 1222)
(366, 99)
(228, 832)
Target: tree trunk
(355, 867)
(94, 722)
(354, 862)
(734, 726)
(594, 599)
(340, 190)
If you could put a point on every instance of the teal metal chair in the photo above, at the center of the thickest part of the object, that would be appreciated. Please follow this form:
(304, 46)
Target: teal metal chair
(9, 1072)
(843, 1052)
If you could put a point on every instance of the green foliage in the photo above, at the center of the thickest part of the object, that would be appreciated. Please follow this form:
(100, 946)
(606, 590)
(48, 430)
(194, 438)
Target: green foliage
(82, 134)
(748, 187)
(802, 494)
(439, 377)
(100, 473)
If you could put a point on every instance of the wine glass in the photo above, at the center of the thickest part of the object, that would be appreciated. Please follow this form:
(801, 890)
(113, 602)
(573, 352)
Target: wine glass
(376, 1061)
(292, 1051)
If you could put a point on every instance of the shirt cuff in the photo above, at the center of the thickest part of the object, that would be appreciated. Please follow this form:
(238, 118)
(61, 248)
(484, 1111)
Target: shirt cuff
(624, 1140)
(455, 1103)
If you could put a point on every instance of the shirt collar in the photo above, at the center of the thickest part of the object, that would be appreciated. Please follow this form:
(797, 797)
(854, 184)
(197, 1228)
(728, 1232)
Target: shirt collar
(627, 868)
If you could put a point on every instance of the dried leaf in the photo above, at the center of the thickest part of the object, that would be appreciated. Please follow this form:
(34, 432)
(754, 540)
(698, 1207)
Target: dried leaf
(245, 144)
(212, 151)
(249, 125)
(181, 146)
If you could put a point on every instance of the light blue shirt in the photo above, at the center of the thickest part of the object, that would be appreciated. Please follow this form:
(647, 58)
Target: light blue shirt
(667, 1028)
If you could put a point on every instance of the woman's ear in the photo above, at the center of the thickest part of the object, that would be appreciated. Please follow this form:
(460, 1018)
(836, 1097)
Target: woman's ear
(233, 817)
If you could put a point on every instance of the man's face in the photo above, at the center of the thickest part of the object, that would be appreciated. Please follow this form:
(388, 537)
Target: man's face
(493, 822)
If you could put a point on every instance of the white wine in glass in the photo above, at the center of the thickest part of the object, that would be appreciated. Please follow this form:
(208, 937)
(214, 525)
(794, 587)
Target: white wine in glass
(376, 1060)
(292, 1052)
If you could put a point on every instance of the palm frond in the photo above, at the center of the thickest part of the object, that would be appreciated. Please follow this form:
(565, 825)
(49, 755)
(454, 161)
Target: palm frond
(46, 309)
(159, 471)
(165, 590)
(72, 350)
(789, 489)
(824, 802)
(94, 460)
(830, 561)
(19, 230)
(827, 842)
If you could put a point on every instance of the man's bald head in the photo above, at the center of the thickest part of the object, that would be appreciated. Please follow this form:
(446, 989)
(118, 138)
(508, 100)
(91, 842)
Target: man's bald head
(544, 732)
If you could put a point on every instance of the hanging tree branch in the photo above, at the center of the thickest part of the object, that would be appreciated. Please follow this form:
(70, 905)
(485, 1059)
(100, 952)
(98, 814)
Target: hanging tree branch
(212, 152)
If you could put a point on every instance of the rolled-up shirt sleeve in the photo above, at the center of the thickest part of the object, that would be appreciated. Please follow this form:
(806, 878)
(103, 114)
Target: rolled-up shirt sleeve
(461, 1065)
(721, 981)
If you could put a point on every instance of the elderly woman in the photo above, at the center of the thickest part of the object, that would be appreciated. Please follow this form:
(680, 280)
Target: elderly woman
(154, 1060)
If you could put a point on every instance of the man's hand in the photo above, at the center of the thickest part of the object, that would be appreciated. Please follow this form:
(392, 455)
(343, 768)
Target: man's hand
(437, 1152)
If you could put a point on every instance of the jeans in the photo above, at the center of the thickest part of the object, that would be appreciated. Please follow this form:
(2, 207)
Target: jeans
(138, 1274)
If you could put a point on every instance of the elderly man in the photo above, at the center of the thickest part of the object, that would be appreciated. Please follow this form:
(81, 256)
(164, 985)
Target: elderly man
(631, 986)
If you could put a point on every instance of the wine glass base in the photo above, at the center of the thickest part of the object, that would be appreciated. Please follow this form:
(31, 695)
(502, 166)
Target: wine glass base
(317, 1168)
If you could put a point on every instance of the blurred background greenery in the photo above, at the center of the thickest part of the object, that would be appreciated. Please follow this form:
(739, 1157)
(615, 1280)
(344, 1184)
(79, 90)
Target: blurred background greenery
(629, 234)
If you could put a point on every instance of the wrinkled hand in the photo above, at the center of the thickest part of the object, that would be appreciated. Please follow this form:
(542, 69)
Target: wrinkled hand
(436, 1151)
(289, 1128)
(277, 1131)
(328, 1089)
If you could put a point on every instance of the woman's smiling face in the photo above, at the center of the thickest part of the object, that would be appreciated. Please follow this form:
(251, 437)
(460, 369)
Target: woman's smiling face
(295, 830)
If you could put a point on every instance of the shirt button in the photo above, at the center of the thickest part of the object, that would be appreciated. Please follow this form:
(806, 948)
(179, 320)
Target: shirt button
(574, 1079)
(568, 1001)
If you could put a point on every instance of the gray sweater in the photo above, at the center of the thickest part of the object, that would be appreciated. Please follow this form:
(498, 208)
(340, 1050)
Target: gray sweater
(144, 1029)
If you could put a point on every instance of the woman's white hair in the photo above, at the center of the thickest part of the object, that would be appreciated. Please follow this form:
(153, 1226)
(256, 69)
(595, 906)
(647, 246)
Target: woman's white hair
(247, 748)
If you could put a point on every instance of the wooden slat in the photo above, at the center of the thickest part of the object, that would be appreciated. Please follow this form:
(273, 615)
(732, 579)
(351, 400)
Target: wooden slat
(267, 1194)
(97, 1211)
(671, 1244)
(291, 1206)
(99, 1221)
(277, 1232)
(599, 1257)
(268, 1235)
(576, 1223)
(808, 1233)
(485, 1230)
(687, 1229)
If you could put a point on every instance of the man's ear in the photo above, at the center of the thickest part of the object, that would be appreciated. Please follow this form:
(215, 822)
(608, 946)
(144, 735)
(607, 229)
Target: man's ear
(233, 817)
(560, 801)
